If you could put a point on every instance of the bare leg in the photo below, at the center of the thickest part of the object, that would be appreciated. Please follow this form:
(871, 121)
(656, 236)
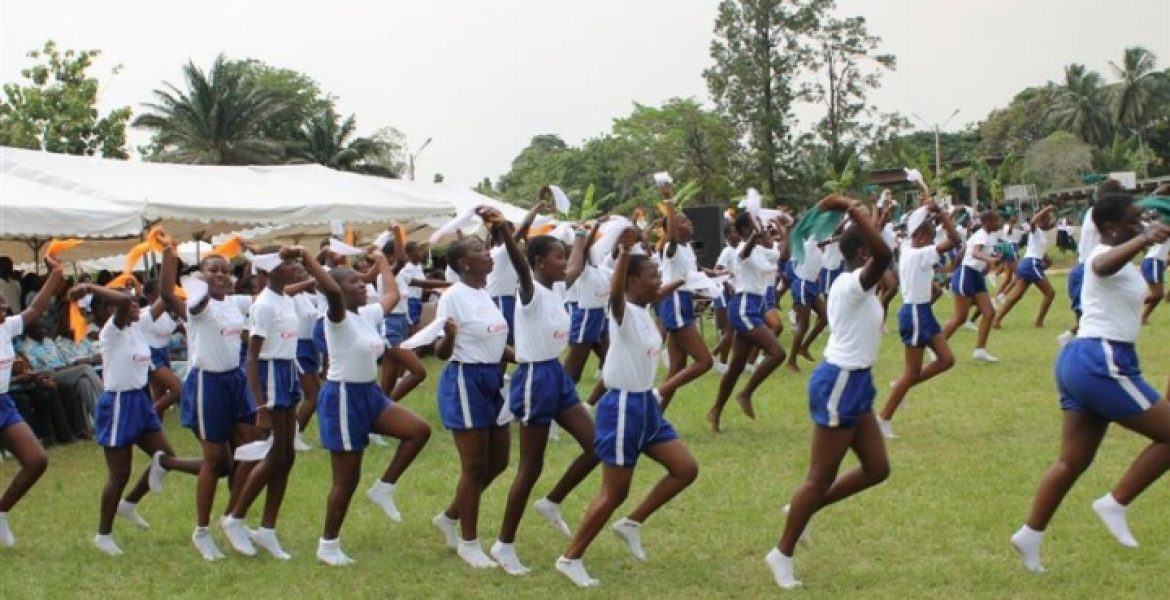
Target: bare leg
(347, 471)
(1049, 295)
(20, 441)
(412, 432)
(690, 343)
(681, 472)
(576, 421)
(1154, 460)
(1080, 437)
(615, 486)
(416, 373)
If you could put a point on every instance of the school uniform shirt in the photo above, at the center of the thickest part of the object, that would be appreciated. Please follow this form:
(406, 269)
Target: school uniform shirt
(916, 272)
(1158, 251)
(1037, 244)
(890, 236)
(756, 273)
(982, 238)
(483, 332)
(12, 327)
(833, 259)
(125, 357)
(409, 273)
(1111, 306)
(1013, 233)
(502, 280)
(634, 350)
(213, 335)
(1090, 237)
(680, 265)
(728, 259)
(592, 287)
(450, 275)
(273, 317)
(810, 269)
(158, 331)
(855, 323)
(307, 314)
(542, 326)
(355, 345)
(403, 282)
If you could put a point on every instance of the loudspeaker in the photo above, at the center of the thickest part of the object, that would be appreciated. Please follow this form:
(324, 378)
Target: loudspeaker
(707, 241)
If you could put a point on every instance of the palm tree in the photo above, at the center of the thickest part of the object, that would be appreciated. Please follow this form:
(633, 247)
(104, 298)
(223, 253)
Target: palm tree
(217, 121)
(1079, 106)
(328, 140)
(1135, 94)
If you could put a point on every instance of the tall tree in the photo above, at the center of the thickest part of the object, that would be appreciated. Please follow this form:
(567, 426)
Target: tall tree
(847, 68)
(546, 160)
(759, 51)
(1012, 130)
(329, 140)
(1080, 106)
(57, 110)
(1135, 95)
(1058, 160)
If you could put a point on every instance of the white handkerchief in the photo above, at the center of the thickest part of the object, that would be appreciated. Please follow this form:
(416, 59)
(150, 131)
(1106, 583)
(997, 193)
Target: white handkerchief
(607, 238)
(264, 262)
(382, 239)
(564, 233)
(425, 336)
(195, 287)
(699, 283)
(254, 451)
(462, 220)
(344, 249)
(560, 199)
(752, 203)
(663, 178)
(914, 176)
(916, 219)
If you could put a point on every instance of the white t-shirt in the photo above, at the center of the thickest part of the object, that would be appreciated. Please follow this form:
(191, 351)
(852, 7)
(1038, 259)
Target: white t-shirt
(727, 259)
(890, 236)
(12, 327)
(274, 318)
(402, 280)
(855, 323)
(158, 331)
(542, 326)
(503, 280)
(756, 273)
(125, 357)
(833, 257)
(410, 272)
(355, 345)
(1090, 237)
(1013, 233)
(1037, 243)
(592, 287)
(213, 336)
(916, 272)
(982, 238)
(451, 275)
(680, 265)
(1158, 251)
(307, 314)
(810, 269)
(634, 350)
(1111, 306)
(483, 332)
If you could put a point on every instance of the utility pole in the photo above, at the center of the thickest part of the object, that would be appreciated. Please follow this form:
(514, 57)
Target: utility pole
(937, 140)
(414, 156)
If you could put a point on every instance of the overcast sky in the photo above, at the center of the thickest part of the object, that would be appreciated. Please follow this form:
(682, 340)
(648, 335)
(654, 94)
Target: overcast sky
(482, 77)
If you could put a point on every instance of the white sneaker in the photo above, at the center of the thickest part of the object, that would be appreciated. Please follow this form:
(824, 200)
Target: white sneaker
(781, 567)
(299, 443)
(472, 553)
(575, 571)
(382, 494)
(887, 429)
(266, 539)
(6, 538)
(106, 544)
(378, 440)
(205, 544)
(505, 555)
(981, 355)
(719, 367)
(157, 472)
(1064, 338)
(449, 528)
(971, 326)
(238, 535)
(551, 511)
(129, 511)
(631, 533)
(329, 552)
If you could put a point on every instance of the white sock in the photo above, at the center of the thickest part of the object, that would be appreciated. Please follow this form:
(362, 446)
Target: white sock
(238, 535)
(551, 511)
(574, 569)
(266, 539)
(472, 554)
(157, 472)
(205, 544)
(1026, 541)
(887, 428)
(6, 538)
(382, 494)
(505, 555)
(129, 511)
(106, 544)
(781, 567)
(329, 552)
(447, 525)
(631, 532)
(1112, 513)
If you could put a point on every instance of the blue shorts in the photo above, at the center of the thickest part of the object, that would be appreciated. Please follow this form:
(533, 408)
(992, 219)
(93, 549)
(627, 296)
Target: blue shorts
(308, 359)
(746, 311)
(917, 324)
(804, 293)
(677, 310)
(540, 391)
(396, 327)
(1102, 378)
(587, 325)
(968, 282)
(570, 307)
(1031, 270)
(1076, 279)
(213, 403)
(787, 271)
(160, 358)
(8, 414)
(414, 310)
(469, 395)
(507, 305)
(721, 300)
(346, 413)
(769, 301)
(626, 424)
(123, 417)
(1154, 270)
(281, 382)
(838, 397)
(319, 338)
(828, 276)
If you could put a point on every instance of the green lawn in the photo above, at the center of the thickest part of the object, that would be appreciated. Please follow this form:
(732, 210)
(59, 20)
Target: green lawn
(973, 447)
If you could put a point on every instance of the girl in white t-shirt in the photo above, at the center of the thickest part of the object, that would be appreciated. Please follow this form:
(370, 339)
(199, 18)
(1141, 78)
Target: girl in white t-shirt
(969, 283)
(841, 389)
(1100, 381)
(16, 436)
(160, 325)
(725, 264)
(1030, 270)
(125, 417)
(629, 419)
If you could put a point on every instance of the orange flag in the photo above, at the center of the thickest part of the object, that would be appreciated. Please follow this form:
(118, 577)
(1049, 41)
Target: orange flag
(77, 322)
(228, 249)
(56, 247)
(122, 281)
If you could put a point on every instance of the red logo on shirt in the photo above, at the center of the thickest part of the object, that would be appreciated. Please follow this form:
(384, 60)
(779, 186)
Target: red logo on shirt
(497, 327)
(141, 359)
(560, 335)
(229, 332)
(288, 335)
(654, 353)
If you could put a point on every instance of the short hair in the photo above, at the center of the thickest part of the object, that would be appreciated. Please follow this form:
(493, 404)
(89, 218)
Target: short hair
(851, 243)
(540, 246)
(743, 222)
(458, 249)
(637, 263)
(1110, 208)
(412, 246)
(1110, 186)
(989, 215)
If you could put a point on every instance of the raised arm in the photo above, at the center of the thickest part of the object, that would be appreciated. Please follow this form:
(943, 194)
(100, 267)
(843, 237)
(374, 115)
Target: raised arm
(390, 292)
(617, 288)
(522, 232)
(515, 256)
(1112, 261)
(121, 301)
(167, 278)
(579, 255)
(325, 283)
(1039, 217)
(880, 253)
(953, 240)
(668, 226)
(47, 292)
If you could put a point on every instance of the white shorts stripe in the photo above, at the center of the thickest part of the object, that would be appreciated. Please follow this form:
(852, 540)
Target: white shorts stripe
(962, 280)
(677, 309)
(621, 429)
(584, 326)
(117, 415)
(1134, 393)
(463, 400)
(743, 305)
(271, 391)
(343, 417)
(835, 397)
(199, 413)
(914, 320)
(528, 392)
(1036, 270)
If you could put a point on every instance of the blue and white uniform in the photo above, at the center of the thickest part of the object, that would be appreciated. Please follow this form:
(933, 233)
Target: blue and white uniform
(396, 324)
(410, 272)
(831, 266)
(1154, 264)
(541, 387)
(1010, 236)
(1090, 238)
(628, 418)
(273, 317)
(804, 287)
(124, 412)
(1032, 268)
(158, 335)
(591, 295)
(469, 387)
(501, 286)
(726, 262)
(841, 388)
(753, 277)
(350, 399)
(677, 310)
(916, 321)
(968, 280)
(215, 391)
(308, 313)
(1098, 372)
(12, 327)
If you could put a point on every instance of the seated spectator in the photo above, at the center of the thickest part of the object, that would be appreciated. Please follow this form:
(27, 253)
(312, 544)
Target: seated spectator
(10, 286)
(52, 417)
(75, 378)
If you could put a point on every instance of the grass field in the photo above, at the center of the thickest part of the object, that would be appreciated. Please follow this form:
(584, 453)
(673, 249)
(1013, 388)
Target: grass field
(973, 447)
